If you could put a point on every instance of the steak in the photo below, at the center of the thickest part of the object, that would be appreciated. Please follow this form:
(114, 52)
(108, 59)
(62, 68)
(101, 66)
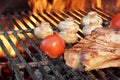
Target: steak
(100, 49)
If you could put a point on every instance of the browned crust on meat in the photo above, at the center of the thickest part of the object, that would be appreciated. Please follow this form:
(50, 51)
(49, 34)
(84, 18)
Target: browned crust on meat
(95, 51)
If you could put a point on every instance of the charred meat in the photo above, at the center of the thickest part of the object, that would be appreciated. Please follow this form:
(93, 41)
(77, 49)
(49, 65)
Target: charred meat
(100, 49)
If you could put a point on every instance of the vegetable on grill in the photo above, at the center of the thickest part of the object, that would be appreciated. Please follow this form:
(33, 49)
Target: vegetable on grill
(44, 30)
(68, 37)
(90, 22)
(115, 22)
(53, 46)
(68, 30)
(68, 25)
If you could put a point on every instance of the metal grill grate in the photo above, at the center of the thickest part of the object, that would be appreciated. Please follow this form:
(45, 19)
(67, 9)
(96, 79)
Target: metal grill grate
(38, 67)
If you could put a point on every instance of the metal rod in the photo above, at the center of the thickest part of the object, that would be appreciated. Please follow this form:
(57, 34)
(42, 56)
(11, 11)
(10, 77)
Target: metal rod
(17, 52)
(44, 16)
(41, 56)
(12, 63)
(34, 24)
(17, 31)
(32, 64)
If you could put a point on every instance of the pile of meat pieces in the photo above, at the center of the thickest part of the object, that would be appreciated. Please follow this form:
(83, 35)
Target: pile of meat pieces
(100, 49)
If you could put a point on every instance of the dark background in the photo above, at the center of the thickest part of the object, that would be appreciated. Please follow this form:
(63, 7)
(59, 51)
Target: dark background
(11, 5)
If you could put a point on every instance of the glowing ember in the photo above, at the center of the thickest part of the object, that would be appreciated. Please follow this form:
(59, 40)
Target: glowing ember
(14, 39)
(8, 46)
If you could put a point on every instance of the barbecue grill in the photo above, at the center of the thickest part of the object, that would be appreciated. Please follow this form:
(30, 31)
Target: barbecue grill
(21, 57)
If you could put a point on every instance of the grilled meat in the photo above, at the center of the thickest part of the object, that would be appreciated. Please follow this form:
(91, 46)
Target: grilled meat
(100, 49)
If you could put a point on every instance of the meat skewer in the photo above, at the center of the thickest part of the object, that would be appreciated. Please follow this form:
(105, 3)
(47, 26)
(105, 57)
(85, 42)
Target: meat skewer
(95, 51)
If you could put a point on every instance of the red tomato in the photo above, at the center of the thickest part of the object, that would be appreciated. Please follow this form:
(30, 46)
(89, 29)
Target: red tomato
(115, 22)
(53, 46)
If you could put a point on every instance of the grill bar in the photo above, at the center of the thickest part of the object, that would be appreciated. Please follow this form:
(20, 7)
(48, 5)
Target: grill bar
(40, 67)
(18, 53)
(111, 75)
(98, 75)
(105, 11)
(29, 52)
(44, 16)
(106, 18)
(21, 19)
(23, 13)
(72, 72)
(24, 33)
(13, 65)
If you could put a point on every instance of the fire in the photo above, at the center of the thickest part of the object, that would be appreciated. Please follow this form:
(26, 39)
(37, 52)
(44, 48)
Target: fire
(39, 6)
(56, 5)
(59, 6)
(36, 3)
(14, 39)
(34, 20)
(24, 28)
(7, 45)
(97, 3)
(118, 3)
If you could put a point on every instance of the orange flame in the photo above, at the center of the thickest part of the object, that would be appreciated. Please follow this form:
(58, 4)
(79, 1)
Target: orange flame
(97, 3)
(47, 5)
(14, 39)
(118, 3)
(8, 46)
(56, 5)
